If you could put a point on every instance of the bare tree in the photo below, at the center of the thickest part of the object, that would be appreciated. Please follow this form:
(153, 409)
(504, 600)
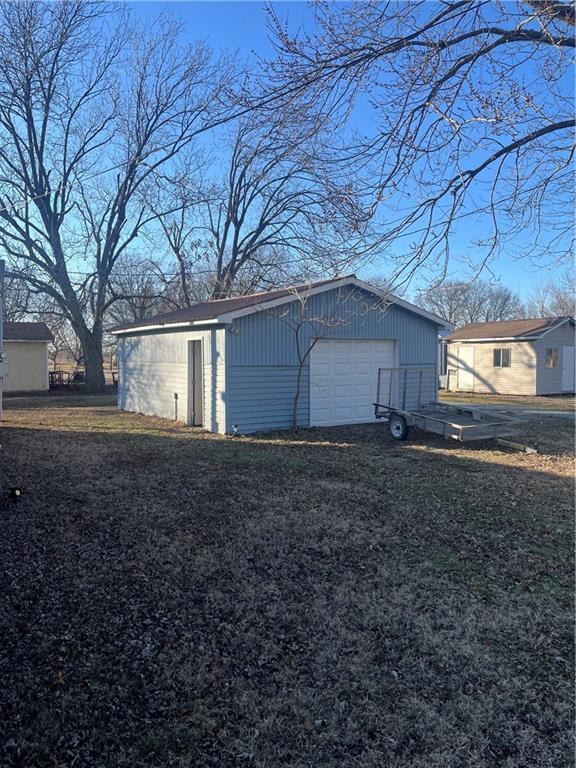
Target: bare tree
(553, 298)
(185, 248)
(137, 290)
(564, 295)
(17, 300)
(501, 304)
(446, 300)
(472, 302)
(472, 106)
(65, 343)
(275, 218)
(57, 346)
(92, 113)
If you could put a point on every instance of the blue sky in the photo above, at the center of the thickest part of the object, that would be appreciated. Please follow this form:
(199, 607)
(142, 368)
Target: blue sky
(240, 26)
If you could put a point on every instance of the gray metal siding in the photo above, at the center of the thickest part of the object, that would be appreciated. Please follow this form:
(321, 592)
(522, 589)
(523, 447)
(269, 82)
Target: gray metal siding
(265, 338)
(153, 367)
(549, 380)
(262, 360)
(262, 397)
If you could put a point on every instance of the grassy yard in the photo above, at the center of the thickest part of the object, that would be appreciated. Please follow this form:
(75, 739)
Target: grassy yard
(326, 598)
(548, 403)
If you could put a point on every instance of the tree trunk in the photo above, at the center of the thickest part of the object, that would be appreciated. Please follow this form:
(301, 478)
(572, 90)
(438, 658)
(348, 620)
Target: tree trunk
(223, 286)
(297, 396)
(91, 342)
(94, 364)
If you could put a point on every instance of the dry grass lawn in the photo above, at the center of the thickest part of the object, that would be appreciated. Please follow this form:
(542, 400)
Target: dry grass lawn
(326, 598)
(546, 403)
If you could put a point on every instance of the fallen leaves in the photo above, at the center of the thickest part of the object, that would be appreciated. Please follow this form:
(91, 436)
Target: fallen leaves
(176, 599)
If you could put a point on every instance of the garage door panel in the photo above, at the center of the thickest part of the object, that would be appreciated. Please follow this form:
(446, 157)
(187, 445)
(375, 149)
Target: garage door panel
(363, 368)
(343, 414)
(323, 415)
(323, 369)
(362, 390)
(343, 379)
(341, 347)
(342, 390)
(342, 369)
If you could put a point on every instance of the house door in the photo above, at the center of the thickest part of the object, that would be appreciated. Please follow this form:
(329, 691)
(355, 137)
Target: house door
(567, 369)
(466, 368)
(195, 384)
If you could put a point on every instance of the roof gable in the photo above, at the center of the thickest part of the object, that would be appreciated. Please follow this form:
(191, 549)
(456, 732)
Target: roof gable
(227, 310)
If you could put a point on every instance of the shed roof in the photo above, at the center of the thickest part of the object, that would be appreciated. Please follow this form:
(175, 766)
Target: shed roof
(507, 329)
(223, 310)
(27, 332)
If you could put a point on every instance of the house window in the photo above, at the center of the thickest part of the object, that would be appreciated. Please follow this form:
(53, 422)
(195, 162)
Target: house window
(501, 357)
(552, 357)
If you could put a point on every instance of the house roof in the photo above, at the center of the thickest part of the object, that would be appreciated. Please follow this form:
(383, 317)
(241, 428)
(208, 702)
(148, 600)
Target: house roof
(27, 332)
(226, 310)
(507, 329)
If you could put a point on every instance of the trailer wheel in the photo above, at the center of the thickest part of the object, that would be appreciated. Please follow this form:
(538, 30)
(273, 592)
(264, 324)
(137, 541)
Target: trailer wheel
(398, 427)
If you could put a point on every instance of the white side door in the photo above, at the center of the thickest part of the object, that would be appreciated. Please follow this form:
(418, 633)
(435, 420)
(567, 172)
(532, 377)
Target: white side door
(567, 369)
(466, 368)
(344, 379)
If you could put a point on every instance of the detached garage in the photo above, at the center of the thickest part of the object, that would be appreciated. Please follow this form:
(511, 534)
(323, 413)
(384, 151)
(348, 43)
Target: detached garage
(308, 354)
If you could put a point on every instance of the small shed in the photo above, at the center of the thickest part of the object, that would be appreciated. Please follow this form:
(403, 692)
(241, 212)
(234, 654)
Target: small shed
(25, 362)
(513, 357)
(255, 362)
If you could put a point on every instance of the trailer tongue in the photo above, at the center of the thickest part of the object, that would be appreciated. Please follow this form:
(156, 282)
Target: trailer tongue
(405, 399)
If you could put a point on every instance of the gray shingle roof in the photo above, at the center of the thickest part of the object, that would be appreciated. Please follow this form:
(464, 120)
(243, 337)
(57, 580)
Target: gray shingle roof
(505, 329)
(27, 332)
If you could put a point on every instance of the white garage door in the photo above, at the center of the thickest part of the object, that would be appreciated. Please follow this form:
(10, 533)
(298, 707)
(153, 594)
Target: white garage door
(344, 378)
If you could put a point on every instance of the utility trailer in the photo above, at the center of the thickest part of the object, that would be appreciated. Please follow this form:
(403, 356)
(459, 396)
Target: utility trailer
(407, 398)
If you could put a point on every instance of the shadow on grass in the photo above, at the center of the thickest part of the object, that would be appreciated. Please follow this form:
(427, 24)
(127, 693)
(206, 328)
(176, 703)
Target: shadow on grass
(74, 397)
(325, 597)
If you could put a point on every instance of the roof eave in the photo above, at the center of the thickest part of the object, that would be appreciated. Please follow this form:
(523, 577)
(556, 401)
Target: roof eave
(163, 326)
(555, 327)
(228, 317)
(297, 295)
(500, 338)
